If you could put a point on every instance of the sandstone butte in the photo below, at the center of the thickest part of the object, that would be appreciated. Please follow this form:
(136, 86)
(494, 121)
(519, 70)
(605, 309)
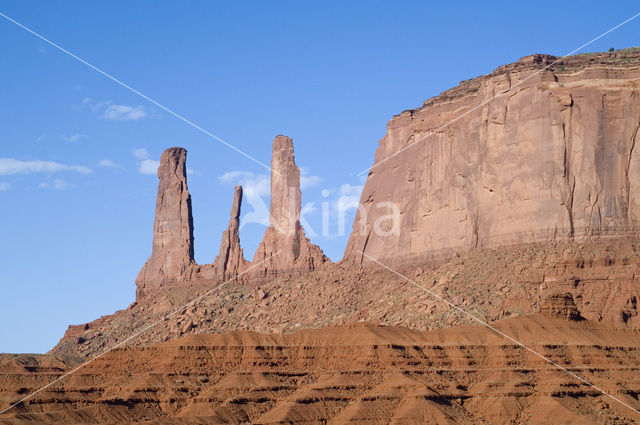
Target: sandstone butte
(552, 158)
(524, 212)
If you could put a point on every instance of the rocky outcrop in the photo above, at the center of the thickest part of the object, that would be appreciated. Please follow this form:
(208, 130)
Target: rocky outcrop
(172, 253)
(552, 157)
(230, 261)
(284, 250)
(284, 247)
(560, 306)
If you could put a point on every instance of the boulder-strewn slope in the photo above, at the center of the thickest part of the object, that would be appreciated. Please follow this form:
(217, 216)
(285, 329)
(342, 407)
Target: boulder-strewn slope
(601, 277)
(551, 160)
(553, 157)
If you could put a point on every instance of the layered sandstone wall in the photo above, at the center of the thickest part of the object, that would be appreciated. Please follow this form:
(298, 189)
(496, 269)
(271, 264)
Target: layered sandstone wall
(552, 157)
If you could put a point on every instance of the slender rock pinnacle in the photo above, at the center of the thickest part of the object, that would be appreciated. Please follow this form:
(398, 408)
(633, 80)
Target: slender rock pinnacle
(172, 254)
(285, 236)
(230, 261)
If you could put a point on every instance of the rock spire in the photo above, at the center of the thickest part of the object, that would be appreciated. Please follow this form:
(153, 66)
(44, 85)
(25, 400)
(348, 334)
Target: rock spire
(230, 261)
(285, 235)
(172, 252)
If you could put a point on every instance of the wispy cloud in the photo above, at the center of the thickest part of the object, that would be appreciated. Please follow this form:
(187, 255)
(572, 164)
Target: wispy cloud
(124, 113)
(59, 184)
(145, 165)
(111, 111)
(107, 163)
(148, 166)
(257, 184)
(56, 184)
(307, 181)
(74, 137)
(10, 166)
(4, 186)
(140, 153)
(87, 102)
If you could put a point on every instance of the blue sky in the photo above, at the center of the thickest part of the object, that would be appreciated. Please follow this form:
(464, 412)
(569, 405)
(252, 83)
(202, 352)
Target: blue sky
(77, 178)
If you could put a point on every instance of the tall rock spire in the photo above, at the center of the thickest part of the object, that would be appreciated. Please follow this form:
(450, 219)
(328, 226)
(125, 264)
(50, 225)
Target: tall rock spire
(230, 261)
(285, 187)
(285, 236)
(172, 253)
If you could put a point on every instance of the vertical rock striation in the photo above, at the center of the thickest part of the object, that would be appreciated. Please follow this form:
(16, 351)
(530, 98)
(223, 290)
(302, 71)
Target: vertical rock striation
(285, 236)
(172, 254)
(230, 261)
(530, 154)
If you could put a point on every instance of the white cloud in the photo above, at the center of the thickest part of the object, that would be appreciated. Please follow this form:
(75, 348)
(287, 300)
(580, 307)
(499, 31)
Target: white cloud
(148, 166)
(57, 184)
(9, 166)
(74, 137)
(256, 184)
(307, 181)
(255, 187)
(41, 137)
(107, 163)
(145, 165)
(140, 153)
(308, 208)
(124, 113)
(4, 186)
(111, 111)
(310, 181)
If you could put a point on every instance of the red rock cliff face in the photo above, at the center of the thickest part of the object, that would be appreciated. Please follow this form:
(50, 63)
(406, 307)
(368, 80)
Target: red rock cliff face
(172, 253)
(552, 158)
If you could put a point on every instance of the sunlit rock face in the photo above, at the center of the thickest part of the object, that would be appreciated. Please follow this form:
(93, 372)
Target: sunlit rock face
(172, 252)
(552, 157)
(284, 247)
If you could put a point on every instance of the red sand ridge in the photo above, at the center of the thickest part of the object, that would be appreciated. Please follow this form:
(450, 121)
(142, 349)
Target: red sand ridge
(357, 374)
